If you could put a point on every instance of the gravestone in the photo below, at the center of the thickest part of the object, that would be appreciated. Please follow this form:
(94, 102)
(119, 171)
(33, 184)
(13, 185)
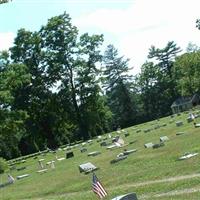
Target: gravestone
(59, 159)
(42, 171)
(155, 146)
(138, 131)
(83, 150)
(148, 145)
(89, 141)
(115, 139)
(196, 125)
(180, 133)
(127, 152)
(40, 163)
(94, 153)
(87, 168)
(112, 146)
(103, 144)
(130, 196)
(21, 168)
(163, 125)
(189, 119)
(22, 176)
(10, 179)
(187, 156)
(118, 159)
(69, 154)
(147, 130)
(179, 123)
(164, 139)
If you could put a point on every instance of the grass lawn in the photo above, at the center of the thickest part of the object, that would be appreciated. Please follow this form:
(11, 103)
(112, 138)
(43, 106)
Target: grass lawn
(151, 173)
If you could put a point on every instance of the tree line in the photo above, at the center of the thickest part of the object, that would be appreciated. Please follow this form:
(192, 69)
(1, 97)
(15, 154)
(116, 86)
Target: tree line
(57, 87)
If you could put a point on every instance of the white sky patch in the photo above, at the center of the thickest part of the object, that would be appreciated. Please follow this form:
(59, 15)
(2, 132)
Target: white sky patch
(6, 40)
(146, 23)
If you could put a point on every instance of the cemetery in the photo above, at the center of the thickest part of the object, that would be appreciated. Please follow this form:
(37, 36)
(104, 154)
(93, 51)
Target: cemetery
(135, 163)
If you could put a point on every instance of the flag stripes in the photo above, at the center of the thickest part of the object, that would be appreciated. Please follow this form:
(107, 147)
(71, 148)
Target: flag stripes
(97, 187)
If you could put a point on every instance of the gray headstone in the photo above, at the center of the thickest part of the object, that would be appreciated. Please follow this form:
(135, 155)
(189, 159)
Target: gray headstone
(179, 123)
(148, 145)
(155, 146)
(22, 176)
(87, 168)
(131, 196)
(127, 152)
(103, 144)
(147, 130)
(21, 168)
(118, 159)
(180, 133)
(189, 119)
(83, 150)
(164, 139)
(94, 153)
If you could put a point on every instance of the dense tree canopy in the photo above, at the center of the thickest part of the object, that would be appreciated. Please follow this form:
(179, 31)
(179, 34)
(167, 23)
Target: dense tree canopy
(56, 87)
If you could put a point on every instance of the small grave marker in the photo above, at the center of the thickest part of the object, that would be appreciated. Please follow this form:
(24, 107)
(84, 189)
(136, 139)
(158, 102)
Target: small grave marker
(164, 139)
(148, 145)
(87, 168)
(69, 154)
(94, 153)
(179, 123)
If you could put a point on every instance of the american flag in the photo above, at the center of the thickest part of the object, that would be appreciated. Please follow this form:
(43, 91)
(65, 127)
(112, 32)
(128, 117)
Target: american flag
(97, 187)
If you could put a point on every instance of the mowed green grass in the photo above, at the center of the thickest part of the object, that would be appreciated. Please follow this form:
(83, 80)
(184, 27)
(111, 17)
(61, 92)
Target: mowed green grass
(144, 166)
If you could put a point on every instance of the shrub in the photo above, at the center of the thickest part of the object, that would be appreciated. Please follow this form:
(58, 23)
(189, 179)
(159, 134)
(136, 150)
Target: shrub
(3, 165)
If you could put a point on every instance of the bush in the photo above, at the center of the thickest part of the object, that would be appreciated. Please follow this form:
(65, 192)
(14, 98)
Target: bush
(3, 165)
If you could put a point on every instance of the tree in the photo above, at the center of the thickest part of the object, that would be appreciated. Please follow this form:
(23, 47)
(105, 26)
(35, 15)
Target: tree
(187, 72)
(12, 77)
(117, 85)
(166, 83)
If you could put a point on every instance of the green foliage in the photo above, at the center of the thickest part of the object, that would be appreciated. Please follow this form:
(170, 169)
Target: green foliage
(3, 165)
(117, 86)
(187, 72)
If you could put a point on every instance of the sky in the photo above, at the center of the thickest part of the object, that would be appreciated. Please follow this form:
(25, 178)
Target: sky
(132, 26)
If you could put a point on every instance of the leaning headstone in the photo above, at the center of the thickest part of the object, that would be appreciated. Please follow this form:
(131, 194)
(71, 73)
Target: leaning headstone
(87, 168)
(118, 159)
(10, 179)
(94, 153)
(22, 176)
(69, 154)
(148, 145)
(164, 139)
(130, 196)
(179, 123)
